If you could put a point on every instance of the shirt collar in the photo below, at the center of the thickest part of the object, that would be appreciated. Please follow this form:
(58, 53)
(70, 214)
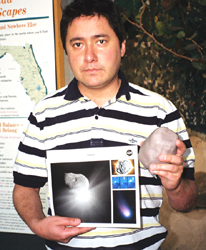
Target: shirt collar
(73, 93)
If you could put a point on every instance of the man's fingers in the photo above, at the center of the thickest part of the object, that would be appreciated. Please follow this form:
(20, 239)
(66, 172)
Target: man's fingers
(73, 222)
(172, 159)
(180, 147)
(164, 167)
(77, 230)
(70, 232)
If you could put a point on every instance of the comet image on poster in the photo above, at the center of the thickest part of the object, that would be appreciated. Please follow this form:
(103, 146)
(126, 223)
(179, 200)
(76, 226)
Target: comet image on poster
(82, 190)
(124, 206)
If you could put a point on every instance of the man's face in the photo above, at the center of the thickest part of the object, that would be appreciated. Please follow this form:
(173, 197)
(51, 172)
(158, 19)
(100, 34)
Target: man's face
(94, 52)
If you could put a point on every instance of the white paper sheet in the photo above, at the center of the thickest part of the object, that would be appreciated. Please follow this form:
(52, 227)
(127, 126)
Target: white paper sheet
(98, 185)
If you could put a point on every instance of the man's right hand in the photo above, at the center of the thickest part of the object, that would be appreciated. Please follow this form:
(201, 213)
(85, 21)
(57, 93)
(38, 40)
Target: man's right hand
(58, 228)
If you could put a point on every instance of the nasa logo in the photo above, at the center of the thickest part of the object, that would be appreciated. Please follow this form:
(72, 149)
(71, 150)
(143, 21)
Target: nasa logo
(129, 152)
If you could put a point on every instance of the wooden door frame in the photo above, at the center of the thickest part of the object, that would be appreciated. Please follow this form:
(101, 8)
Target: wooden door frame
(59, 52)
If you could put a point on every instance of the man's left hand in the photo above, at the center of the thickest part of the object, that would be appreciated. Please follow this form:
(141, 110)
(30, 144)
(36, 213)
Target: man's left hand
(182, 193)
(171, 168)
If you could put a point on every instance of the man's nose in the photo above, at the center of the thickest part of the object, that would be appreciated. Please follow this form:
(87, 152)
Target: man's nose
(90, 54)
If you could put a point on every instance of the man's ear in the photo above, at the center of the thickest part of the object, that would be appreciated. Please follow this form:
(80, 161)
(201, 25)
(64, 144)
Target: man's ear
(123, 48)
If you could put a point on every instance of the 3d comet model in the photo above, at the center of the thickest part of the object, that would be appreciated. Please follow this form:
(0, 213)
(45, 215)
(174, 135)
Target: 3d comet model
(161, 141)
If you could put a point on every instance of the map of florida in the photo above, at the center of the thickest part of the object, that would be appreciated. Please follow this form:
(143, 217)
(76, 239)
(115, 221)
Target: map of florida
(30, 76)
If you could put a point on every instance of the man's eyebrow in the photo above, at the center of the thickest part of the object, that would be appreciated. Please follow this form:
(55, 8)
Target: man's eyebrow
(82, 38)
(100, 35)
(75, 39)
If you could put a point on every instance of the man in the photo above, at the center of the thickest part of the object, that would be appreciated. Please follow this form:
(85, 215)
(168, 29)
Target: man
(99, 108)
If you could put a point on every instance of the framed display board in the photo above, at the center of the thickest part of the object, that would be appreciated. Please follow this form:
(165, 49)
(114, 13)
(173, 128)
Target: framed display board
(31, 66)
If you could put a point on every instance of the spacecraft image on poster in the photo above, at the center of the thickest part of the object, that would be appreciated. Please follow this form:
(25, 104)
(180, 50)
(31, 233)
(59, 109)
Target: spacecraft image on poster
(123, 167)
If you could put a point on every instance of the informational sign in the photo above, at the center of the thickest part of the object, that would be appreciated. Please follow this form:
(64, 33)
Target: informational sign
(27, 74)
(101, 187)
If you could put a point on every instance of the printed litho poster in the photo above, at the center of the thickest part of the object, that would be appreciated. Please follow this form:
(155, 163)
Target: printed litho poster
(27, 74)
(101, 187)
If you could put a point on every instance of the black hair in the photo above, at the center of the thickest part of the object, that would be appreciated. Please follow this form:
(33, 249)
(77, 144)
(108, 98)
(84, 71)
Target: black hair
(105, 8)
